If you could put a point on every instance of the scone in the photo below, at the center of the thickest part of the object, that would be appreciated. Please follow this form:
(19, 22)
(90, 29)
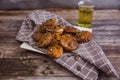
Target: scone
(55, 51)
(41, 28)
(56, 39)
(70, 30)
(68, 42)
(83, 36)
(45, 40)
(37, 35)
(56, 29)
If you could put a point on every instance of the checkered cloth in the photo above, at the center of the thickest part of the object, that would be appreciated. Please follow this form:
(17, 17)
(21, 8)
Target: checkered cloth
(80, 67)
(93, 53)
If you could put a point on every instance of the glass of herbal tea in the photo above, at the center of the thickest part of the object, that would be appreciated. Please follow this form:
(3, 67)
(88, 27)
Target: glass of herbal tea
(85, 13)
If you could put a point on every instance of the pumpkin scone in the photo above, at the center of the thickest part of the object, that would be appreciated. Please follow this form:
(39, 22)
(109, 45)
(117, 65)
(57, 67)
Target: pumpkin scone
(37, 35)
(55, 51)
(45, 40)
(41, 28)
(83, 36)
(68, 42)
(70, 30)
(56, 39)
(56, 29)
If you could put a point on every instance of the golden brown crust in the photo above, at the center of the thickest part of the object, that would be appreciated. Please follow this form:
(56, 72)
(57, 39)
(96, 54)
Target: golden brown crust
(55, 51)
(56, 39)
(83, 36)
(70, 30)
(36, 36)
(42, 28)
(45, 40)
(56, 29)
(68, 42)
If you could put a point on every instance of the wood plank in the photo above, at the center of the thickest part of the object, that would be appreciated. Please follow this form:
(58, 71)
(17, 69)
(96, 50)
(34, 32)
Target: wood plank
(30, 67)
(7, 25)
(107, 38)
(66, 14)
(48, 78)
(38, 78)
(18, 67)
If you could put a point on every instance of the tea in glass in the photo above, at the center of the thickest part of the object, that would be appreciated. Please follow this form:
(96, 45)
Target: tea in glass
(85, 14)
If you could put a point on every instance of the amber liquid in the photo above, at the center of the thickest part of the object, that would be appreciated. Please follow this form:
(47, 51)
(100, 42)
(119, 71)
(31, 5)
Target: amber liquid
(85, 16)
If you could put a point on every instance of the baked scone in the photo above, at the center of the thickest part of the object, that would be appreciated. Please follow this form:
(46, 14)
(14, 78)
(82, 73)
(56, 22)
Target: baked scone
(55, 51)
(41, 28)
(45, 40)
(70, 30)
(56, 29)
(37, 35)
(83, 36)
(56, 39)
(68, 42)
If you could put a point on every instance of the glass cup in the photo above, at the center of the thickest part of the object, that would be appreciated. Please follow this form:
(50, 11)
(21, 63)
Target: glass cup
(85, 14)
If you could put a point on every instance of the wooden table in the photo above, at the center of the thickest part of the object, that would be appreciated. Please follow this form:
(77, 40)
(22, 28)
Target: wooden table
(19, 64)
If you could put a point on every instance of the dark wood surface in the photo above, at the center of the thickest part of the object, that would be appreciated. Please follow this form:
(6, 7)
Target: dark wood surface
(20, 64)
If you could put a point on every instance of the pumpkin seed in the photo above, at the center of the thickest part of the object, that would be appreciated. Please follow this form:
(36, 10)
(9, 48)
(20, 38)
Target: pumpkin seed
(51, 72)
(78, 68)
(76, 58)
(68, 55)
(45, 72)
